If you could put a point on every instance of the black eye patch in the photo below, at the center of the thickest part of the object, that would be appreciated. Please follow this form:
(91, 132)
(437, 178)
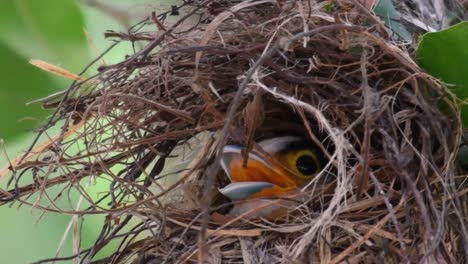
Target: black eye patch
(307, 165)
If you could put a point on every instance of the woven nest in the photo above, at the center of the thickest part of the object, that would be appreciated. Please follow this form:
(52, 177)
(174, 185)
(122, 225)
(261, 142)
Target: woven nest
(152, 126)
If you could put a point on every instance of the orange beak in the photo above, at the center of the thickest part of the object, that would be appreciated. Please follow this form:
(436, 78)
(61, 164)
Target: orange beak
(262, 176)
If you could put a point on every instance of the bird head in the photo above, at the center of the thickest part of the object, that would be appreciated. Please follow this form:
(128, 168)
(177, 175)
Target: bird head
(274, 167)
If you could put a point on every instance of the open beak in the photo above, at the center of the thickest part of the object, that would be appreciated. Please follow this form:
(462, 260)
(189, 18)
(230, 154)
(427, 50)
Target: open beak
(262, 175)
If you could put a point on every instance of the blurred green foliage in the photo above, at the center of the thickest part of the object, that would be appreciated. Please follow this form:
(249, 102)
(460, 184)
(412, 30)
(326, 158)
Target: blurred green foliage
(49, 29)
(52, 31)
(35, 29)
(19, 84)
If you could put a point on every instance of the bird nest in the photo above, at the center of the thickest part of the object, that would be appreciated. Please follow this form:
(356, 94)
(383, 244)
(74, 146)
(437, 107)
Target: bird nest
(152, 127)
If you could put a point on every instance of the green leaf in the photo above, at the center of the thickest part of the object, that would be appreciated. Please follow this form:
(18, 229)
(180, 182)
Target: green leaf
(462, 158)
(50, 30)
(25, 239)
(390, 15)
(444, 55)
(20, 83)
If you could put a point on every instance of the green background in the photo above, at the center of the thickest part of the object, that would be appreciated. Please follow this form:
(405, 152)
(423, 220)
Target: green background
(52, 31)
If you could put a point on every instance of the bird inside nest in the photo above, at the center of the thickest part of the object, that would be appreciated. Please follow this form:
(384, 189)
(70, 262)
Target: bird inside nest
(274, 168)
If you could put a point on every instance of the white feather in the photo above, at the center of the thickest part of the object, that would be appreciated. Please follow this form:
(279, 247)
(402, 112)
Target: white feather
(277, 144)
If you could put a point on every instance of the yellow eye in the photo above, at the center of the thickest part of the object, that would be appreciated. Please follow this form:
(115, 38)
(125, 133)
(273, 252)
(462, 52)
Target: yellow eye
(304, 162)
